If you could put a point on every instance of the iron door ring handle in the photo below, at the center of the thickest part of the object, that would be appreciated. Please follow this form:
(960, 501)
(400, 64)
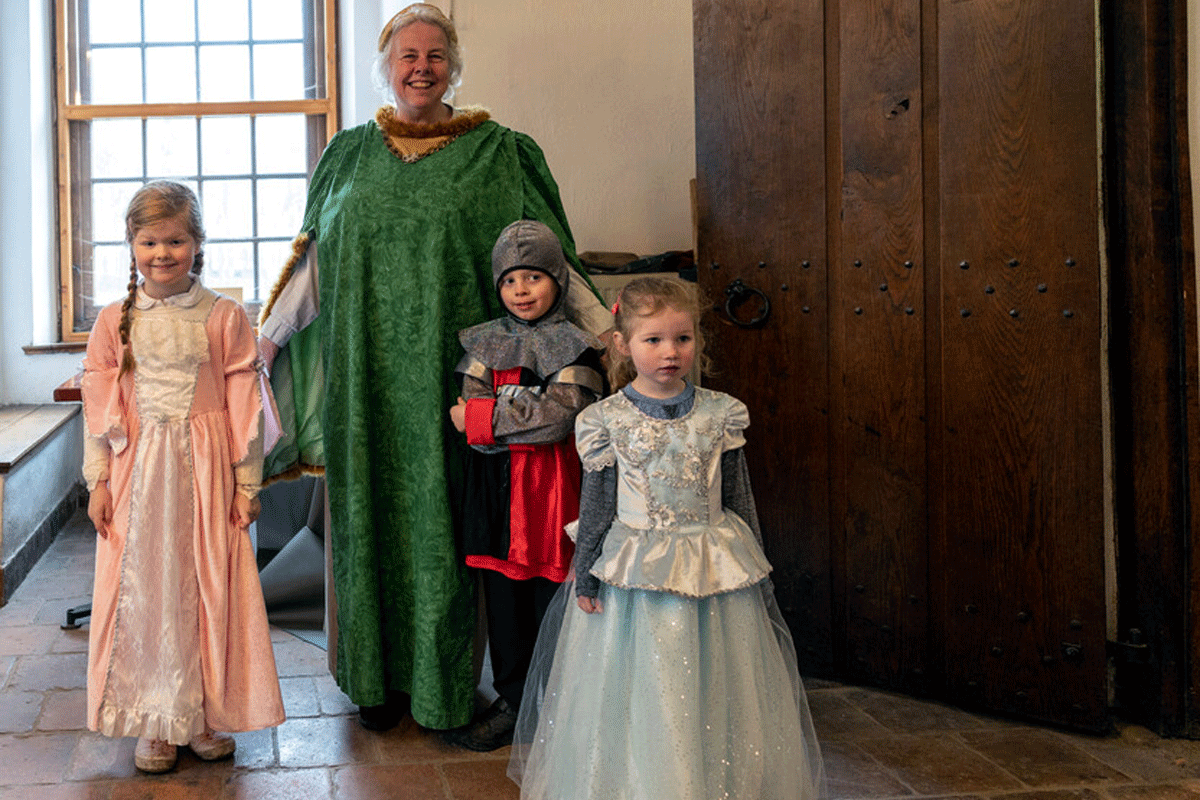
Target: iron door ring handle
(736, 295)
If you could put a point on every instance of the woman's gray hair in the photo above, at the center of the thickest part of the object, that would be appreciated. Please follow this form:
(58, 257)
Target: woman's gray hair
(417, 12)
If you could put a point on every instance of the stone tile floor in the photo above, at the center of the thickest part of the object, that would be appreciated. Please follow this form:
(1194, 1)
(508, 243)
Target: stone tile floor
(877, 745)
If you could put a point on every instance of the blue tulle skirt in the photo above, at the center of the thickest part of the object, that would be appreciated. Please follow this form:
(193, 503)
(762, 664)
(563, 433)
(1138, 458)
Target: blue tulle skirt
(661, 697)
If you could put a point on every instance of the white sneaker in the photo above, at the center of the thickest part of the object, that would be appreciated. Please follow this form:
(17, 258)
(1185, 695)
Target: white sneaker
(210, 746)
(154, 755)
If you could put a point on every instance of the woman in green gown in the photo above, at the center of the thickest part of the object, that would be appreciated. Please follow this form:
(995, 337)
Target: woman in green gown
(404, 211)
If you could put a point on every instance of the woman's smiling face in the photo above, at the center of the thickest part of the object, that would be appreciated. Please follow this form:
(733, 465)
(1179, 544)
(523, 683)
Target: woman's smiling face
(420, 72)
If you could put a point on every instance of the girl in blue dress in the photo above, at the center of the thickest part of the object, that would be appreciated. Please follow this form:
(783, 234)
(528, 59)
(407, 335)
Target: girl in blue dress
(672, 673)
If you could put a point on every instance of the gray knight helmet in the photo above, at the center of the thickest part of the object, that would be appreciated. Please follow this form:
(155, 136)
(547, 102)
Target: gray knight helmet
(529, 244)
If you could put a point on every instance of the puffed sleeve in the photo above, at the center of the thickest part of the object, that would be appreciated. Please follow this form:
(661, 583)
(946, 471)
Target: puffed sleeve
(737, 419)
(592, 440)
(105, 427)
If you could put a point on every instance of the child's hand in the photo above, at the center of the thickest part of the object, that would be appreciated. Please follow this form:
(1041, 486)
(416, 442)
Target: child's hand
(590, 605)
(267, 350)
(245, 510)
(100, 508)
(458, 415)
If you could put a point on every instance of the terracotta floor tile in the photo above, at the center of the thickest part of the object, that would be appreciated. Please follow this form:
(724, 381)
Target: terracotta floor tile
(851, 773)
(6, 668)
(1142, 755)
(58, 587)
(835, 718)
(58, 671)
(300, 697)
(938, 764)
(409, 742)
(70, 641)
(102, 758)
(64, 711)
(1057, 794)
(297, 657)
(36, 758)
(19, 711)
(169, 787)
(255, 750)
(297, 784)
(381, 782)
(480, 780)
(902, 714)
(1175, 791)
(55, 613)
(59, 791)
(27, 640)
(324, 742)
(20, 612)
(334, 702)
(1040, 758)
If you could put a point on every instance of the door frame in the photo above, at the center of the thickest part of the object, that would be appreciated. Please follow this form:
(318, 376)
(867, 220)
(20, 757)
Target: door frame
(1153, 363)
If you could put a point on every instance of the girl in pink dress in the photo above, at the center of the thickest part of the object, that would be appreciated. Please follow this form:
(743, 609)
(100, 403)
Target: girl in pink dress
(173, 412)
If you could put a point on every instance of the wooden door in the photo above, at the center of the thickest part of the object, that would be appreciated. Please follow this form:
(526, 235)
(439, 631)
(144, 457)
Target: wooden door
(914, 188)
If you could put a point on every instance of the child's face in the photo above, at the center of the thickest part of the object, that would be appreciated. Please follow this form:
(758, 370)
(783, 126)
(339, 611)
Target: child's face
(164, 253)
(663, 348)
(528, 293)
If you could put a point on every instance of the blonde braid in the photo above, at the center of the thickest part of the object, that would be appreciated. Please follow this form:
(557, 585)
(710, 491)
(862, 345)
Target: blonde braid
(127, 361)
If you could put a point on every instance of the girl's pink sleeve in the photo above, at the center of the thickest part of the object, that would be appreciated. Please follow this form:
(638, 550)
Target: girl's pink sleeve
(244, 398)
(104, 413)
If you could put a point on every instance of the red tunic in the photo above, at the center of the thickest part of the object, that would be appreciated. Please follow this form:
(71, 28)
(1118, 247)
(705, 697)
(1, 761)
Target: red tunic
(544, 496)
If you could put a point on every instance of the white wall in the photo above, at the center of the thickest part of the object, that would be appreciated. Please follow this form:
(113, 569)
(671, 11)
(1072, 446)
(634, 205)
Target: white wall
(28, 288)
(604, 88)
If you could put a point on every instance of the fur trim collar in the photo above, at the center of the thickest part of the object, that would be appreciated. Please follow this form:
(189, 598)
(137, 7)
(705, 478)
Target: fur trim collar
(464, 120)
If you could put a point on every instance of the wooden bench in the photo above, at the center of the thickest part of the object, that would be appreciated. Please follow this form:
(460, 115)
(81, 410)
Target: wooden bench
(41, 451)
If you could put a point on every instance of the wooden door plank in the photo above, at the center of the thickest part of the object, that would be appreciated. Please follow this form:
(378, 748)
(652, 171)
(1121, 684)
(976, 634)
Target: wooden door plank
(1022, 516)
(878, 343)
(760, 210)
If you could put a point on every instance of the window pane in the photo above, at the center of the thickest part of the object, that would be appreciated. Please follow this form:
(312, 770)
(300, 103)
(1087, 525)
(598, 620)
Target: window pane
(278, 72)
(171, 146)
(229, 264)
(116, 147)
(170, 21)
(113, 21)
(271, 258)
(224, 20)
(228, 209)
(224, 73)
(250, 167)
(278, 19)
(225, 145)
(110, 271)
(170, 74)
(280, 206)
(281, 142)
(114, 76)
(109, 201)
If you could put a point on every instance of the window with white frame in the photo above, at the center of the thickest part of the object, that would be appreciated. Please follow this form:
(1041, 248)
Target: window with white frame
(235, 98)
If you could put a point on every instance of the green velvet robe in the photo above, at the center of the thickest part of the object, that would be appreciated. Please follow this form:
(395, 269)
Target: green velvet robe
(405, 263)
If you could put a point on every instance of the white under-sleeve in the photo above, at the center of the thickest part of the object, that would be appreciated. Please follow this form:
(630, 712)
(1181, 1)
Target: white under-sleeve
(298, 302)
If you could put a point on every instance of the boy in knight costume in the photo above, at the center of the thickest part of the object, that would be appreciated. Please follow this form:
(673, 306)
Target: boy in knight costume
(524, 379)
